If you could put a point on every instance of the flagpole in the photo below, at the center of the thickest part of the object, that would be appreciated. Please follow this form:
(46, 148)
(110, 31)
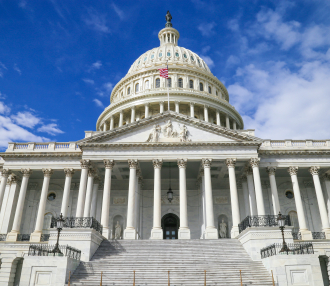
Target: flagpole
(168, 93)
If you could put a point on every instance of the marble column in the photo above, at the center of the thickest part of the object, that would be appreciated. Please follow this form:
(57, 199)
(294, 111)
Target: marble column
(66, 193)
(276, 202)
(314, 170)
(104, 126)
(94, 197)
(132, 114)
(82, 187)
(36, 235)
(257, 184)
(12, 236)
(227, 121)
(210, 231)
(4, 178)
(218, 118)
(234, 125)
(326, 178)
(138, 183)
(146, 110)
(111, 122)
(108, 164)
(192, 109)
(130, 231)
(89, 192)
(206, 113)
(157, 231)
(161, 107)
(306, 234)
(246, 195)
(230, 162)
(121, 118)
(203, 208)
(177, 107)
(184, 231)
(252, 194)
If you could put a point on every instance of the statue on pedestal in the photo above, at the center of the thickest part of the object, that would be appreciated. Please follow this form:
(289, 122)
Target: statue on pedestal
(117, 231)
(223, 229)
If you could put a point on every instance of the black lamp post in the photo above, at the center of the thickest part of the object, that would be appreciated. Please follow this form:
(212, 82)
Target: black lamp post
(281, 224)
(169, 192)
(59, 226)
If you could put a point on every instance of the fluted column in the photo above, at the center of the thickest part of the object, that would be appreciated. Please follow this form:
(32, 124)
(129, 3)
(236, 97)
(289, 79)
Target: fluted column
(130, 232)
(192, 109)
(66, 193)
(257, 184)
(82, 187)
(305, 233)
(206, 113)
(161, 107)
(157, 232)
(111, 122)
(276, 202)
(233, 196)
(12, 236)
(132, 114)
(94, 197)
(210, 231)
(4, 176)
(245, 195)
(314, 170)
(89, 192)
(36, 235)
(146, 110)
(108, 164)
(252, 194)
(218, 118)
(121, 118)
(227, 121)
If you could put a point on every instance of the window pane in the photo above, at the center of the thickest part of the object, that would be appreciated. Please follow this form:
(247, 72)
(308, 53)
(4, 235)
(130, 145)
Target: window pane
(173, 232)
(201, 87)
(169, 82)
(157, 82)
(180, 82)
(191, 83)
(167, 232)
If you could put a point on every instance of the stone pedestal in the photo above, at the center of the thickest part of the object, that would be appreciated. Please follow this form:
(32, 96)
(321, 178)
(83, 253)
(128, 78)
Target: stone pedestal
(184, 233)
(156, 233)
(12, 236)
(306, 234)
(129, 233)
(211, 233)
(35, 237)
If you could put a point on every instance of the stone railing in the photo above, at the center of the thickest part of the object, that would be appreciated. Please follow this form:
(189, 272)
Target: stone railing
(295, 144)
(43, 147)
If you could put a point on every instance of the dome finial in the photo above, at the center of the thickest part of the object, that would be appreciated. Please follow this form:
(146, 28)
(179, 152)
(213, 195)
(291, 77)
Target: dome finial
(168, 18)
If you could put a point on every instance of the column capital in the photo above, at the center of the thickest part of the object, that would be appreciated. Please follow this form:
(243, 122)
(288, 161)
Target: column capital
(248, 170)
(91, 172)
(85, 163)
(206, 106)
(177, 101)
(254, 162)
(157, 163)
(47, 172)
(147, 104)
(206, 162)
(133, 107)
(271, 171)
(5, 173)
(192, 103)
(68, 172)
(12, 179)
(132, 163)
(230, 162)
(293, 170)
(26, 172)
(108, 164)
(314, 170)
(182, 163)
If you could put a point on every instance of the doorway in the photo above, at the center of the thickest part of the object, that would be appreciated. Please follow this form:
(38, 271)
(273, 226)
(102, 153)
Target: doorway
(170, 225)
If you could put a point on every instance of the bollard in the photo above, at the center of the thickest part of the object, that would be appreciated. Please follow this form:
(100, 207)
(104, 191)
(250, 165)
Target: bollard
(204, 277)
(101, 279)
(273, 278)
(134, 278)
(240, 274)
(168, 278)
(69, 278)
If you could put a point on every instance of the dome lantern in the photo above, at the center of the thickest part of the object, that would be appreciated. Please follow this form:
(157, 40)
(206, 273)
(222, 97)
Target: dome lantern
(169, 35)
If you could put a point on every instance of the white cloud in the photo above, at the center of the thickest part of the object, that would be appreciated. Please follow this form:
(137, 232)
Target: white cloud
(207, 29)
(88, 80)
(50, 128)
(208, 61)
(26, 119)
(118, 11)
(108, 86)
(97, 22)
(16, 68)
(2, 69)
(233, 60)
(97, 65)
(4, 109)
(98, 103)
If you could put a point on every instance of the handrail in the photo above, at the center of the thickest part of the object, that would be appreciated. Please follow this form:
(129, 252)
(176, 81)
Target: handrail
(79, 222)
(46, 250)
(292, 248)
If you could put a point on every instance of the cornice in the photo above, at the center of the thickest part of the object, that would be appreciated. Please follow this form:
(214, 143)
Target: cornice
(35, 154)
(294, 152)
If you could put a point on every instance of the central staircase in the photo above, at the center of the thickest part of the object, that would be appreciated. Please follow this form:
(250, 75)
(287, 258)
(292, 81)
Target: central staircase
(185, 259)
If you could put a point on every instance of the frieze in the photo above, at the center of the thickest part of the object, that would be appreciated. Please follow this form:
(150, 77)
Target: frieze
(221, 200)
(119, 200)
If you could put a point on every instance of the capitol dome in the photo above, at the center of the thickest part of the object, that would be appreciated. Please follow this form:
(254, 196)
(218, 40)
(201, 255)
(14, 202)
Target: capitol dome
(192, 89)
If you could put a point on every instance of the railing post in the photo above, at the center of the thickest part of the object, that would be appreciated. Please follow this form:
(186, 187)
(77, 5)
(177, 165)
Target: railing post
(204, 277)
(240, 274)
(101, 279)
(168, 278)
(134, 278)
(273, 278)
(69, 278)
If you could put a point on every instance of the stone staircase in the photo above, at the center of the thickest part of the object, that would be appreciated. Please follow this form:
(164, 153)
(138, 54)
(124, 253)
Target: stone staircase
(185, 259)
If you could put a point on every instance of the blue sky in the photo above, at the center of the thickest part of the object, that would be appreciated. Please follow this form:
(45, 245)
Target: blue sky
(59, 61)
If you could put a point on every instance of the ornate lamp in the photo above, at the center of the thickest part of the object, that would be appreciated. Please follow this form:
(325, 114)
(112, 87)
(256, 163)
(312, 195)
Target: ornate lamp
(281, 224)
(169, 192)
(59, 226)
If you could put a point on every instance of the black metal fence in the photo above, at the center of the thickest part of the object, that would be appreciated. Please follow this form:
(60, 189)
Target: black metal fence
(79, 222)
(316, 235)
(293, 248)
(261, 221)
(46, 250)
(3, 237)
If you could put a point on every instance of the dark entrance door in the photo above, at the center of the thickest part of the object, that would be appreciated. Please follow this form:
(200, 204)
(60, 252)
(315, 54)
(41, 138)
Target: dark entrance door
(170, 224)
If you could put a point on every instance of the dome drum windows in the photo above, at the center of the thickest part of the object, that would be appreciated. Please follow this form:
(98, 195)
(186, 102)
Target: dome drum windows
(147, 84)
(169, 82)
(201, 86)
(137, 87)
(177, 54)
(128, 91)
(210, 90)
(180, 82)
(191, 83)
(158, 83)
(168, 54)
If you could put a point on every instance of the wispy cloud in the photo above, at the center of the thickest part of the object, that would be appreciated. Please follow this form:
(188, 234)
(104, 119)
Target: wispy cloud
(95, 66)
(26, 119)
(51, 128)
(2, 69)
(98, 103)
(118, 11)
(207, 29)
(88, 80)
(105, 89)
(96, 21)
(208, 61)
(16, 68)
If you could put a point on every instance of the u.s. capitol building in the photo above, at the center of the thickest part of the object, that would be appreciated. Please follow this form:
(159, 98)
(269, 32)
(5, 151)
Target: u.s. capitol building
(189, 173)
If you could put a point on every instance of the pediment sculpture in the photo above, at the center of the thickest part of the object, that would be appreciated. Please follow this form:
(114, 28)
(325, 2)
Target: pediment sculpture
(167, 133)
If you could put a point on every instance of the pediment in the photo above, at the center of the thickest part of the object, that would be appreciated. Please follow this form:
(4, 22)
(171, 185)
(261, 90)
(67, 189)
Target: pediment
(169, 127)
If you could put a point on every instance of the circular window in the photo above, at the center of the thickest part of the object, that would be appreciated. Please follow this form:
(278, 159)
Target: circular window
(168, 54)
(176, 54)
(160, 55)
(289, 194)
(138, 62)
(198, 61)
(152, 56)
(192, 58)
(184, 55)
(51, 196)
(145, 58)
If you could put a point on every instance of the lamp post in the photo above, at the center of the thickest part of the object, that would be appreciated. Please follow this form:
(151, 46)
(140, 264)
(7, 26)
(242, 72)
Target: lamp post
(59, 226)
(281, 224)
(169, 192)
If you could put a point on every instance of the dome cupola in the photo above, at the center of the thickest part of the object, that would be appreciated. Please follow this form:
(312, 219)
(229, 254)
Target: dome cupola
(168, 35)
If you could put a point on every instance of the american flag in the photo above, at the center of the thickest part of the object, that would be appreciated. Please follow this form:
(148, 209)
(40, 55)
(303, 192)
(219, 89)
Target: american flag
(163, 72)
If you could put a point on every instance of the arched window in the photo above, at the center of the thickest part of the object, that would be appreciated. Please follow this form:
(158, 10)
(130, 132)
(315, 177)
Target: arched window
(129, 90)
(216, 93)
(158, 83)
(210, 90)
(147, 84)
(137, 86)
(169, 82)
(121, 94)
(180, 82)
(191, 83)
(201, 86)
